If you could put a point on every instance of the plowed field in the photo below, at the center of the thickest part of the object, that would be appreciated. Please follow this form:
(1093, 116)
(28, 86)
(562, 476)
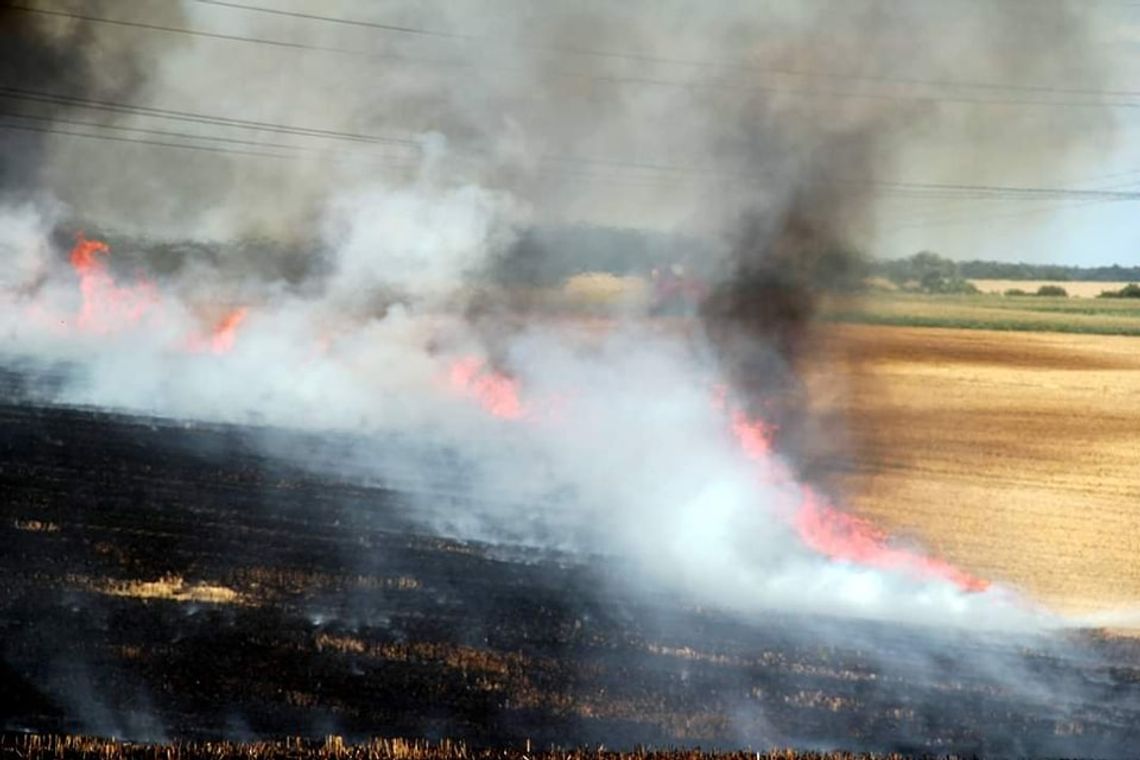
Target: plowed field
(1016, 455)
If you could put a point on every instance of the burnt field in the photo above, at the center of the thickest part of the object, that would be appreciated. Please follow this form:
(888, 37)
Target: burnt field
(36, 745)
(165, 579)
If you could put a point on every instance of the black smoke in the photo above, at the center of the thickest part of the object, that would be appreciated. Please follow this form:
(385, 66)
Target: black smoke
(48, 64)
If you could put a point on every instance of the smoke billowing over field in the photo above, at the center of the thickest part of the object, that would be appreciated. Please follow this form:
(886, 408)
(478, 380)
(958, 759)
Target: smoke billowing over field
(323, 220)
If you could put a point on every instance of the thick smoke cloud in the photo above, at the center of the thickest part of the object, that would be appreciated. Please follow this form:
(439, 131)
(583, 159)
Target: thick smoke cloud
(46, 61)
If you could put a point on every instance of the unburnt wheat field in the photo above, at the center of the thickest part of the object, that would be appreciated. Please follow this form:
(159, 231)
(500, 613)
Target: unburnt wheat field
(1013, 453)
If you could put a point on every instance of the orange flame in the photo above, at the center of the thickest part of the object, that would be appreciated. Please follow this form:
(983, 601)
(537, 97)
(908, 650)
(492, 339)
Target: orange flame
(845, 537)
(222, 337)
(822, 527)
(497, 393)
(106, 305)
(225, 333)
(838, 535)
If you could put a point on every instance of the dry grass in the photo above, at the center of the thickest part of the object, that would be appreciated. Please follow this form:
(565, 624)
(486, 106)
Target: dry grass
(263, 581)
(457, 657)
(1076, 288)
(1013, 454)
(601, 287)
(34, 746)
(171, 587)
(36, 526)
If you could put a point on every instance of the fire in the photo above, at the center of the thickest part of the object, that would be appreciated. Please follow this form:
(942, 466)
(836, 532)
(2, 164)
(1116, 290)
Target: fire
(106, 305)
(841, 536)
(821, 526)
(497, 393)
(225, 334)
(223, 337)
(836, 534)
(755, 436)
(83, 254)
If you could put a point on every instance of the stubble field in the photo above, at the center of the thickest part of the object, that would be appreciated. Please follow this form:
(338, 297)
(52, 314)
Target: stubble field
(1014, 454)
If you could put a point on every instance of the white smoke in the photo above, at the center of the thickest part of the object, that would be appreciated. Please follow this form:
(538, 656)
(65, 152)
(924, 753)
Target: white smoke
(619, 447)
(419, 240)
(24, 247)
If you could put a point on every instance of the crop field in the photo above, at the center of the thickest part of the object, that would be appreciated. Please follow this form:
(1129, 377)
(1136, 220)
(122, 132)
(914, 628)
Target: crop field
(1014, 454)
(1104, 316)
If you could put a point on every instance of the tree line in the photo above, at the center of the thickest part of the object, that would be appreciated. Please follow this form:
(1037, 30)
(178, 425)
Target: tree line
(922, 262)
(930, 273)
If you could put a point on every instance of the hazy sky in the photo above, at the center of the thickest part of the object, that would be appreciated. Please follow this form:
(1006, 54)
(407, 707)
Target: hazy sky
(1003, 145)
(502, 106)
(1077, 231)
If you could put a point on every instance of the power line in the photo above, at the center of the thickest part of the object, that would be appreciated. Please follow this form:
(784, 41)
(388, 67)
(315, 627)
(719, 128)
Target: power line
(633, 80)
(347, 22)
(174, 29)
(212, 120)
(1003, 192)
(170, 145)
(142, 130)
(188, 116)
(974, 219)
(987, 192)
(141, 141)
(649, 58)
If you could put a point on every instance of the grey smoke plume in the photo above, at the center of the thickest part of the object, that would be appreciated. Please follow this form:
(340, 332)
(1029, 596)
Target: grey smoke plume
(47, 60)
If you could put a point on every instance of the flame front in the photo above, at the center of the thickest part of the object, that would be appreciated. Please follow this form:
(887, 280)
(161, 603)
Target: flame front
(822, 527)
(496, 392)
(223, 337)
(836, 534)
(106, 306)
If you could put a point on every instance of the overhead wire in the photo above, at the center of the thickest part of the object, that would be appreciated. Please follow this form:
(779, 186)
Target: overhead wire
(651, 58)
(901, 189)
(656, 81)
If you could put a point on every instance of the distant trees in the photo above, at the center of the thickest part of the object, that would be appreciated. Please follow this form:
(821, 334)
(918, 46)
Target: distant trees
(1131, 290)
(1000, 270)
(1044, 290)
(928, 272)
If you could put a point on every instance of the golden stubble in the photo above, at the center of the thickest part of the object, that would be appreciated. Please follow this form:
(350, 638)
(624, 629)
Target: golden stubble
(1015, 455)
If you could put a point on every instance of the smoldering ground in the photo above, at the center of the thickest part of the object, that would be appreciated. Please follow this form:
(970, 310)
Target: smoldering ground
(406, 168)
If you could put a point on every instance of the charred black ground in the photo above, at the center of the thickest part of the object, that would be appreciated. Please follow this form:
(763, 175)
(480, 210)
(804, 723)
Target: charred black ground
(284, 603)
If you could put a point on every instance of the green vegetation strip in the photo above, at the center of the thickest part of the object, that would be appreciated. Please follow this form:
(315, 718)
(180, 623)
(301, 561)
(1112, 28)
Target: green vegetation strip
(991, 312)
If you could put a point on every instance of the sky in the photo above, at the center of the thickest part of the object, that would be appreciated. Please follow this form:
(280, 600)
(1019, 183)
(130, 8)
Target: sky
(1074, 232)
